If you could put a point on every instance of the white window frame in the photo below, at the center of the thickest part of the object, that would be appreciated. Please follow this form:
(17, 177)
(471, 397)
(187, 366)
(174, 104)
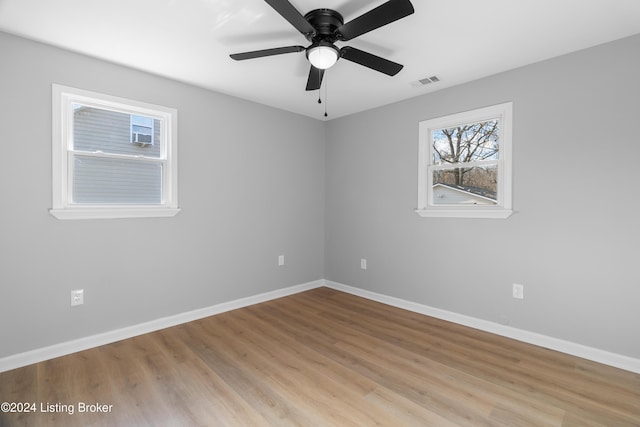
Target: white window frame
(503, 208)
(62, 165)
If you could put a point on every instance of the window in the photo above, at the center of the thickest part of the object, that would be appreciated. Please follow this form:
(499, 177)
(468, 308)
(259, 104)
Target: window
(112, 157)
(465, 164)
(142, 130)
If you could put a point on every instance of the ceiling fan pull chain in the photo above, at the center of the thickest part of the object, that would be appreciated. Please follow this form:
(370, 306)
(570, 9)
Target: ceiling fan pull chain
(326, 96)
(320, 88)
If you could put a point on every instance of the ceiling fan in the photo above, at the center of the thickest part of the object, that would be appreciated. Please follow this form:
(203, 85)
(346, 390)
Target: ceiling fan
(324, 27)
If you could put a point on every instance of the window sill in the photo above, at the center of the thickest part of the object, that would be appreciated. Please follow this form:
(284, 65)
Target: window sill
(113, 213)
(457, 213)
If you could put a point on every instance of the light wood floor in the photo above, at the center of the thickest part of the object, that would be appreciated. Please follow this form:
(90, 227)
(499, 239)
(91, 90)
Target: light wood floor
(323, 358)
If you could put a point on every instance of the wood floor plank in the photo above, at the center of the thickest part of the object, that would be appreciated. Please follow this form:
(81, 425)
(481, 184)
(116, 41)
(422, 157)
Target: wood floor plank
(323, 358)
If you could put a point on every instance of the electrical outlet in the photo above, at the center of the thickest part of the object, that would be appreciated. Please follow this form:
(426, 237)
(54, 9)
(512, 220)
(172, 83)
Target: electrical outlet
(77, 297)
(518, 291)
(363, 264)
(280, 260)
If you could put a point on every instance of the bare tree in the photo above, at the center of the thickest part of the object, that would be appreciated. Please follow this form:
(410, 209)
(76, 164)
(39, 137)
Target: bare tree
(465, 144)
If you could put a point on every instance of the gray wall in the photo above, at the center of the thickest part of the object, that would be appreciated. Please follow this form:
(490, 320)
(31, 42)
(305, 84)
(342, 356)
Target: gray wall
(251, 187)
(574, 241)
(255, 186)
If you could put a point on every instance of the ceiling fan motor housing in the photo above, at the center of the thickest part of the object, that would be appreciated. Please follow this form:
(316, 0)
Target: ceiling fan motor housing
(325, 21)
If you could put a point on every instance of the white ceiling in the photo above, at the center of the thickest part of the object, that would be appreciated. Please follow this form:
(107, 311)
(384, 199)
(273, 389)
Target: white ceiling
(190, 40)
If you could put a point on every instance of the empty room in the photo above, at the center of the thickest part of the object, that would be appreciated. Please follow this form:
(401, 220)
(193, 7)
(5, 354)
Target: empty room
(319, 213)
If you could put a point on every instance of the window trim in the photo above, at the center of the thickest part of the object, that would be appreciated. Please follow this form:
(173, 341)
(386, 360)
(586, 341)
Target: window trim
(503, 208)
(62, 125)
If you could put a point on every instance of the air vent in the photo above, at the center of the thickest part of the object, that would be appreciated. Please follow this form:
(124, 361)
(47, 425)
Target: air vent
(426, 81)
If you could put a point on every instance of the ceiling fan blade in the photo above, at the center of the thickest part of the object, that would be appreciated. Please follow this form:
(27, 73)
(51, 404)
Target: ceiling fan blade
(370, 61)
(315, 78)
(382, 15)
(291, 14)
(266, 52)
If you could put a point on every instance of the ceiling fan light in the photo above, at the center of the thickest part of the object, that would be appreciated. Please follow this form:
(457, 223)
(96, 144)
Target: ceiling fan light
(323, 56)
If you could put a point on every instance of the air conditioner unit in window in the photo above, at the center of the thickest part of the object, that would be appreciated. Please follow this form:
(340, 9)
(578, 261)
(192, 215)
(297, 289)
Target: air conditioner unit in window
(141, 139)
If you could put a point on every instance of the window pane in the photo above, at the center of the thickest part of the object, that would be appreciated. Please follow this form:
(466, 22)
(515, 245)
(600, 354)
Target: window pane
(466, 186)
(141, 130)
(115, 181)
(97, 129)
(466, 143)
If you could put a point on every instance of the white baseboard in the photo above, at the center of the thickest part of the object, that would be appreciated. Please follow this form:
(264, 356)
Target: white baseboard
(62, 349)
(601, 356)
